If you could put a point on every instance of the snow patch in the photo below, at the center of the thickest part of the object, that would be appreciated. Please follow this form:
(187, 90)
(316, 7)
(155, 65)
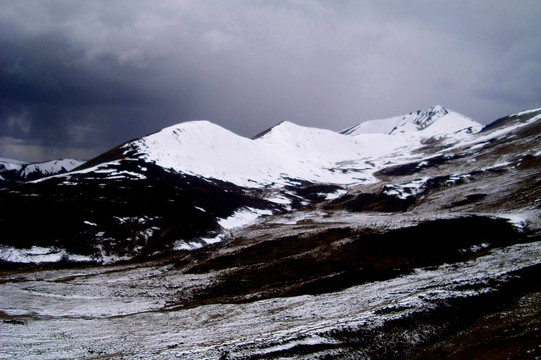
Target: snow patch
(497, 165)
(243, 217)
(187, 245)
(335, 195)
(475, 248)
(456, 178)
(526, 112)
(117, 175)
(214, 240)
(404, 191)
(38, 254)
(282, 200)
(518, 220)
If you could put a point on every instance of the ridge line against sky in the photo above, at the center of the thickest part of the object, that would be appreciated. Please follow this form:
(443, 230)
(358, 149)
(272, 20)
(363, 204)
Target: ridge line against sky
(80, 77)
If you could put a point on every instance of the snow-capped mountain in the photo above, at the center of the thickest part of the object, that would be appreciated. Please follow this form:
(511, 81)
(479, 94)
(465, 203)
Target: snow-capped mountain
(189, 185)
(432, 121)
(288, 151)
(33, 171)
(9, 165)
(14, 171)
(419, 240)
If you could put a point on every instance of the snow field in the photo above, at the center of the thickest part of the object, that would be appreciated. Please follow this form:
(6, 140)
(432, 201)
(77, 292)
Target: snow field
(288, 151)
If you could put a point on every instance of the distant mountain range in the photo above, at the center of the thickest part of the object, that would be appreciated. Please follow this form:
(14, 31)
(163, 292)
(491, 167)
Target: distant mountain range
(14, 171)
(287, 152)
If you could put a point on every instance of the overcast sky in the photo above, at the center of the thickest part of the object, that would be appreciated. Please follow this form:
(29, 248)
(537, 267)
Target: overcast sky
(80, 77)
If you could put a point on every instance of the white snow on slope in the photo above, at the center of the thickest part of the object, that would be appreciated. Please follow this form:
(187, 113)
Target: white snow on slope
(525, 112)
(10, 164)
(498, 133)
(45, 168)
(432, 121)
(243, 217)
(287, 151)
(205, 149)
(50, 167)
(377, 126)
(38, 254)
(11, 161)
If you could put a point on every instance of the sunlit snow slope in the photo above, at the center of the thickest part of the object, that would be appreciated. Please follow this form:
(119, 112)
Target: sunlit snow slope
(432, 121)
(288, 151)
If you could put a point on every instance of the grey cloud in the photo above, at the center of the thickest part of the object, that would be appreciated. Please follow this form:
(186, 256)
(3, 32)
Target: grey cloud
(89, 75)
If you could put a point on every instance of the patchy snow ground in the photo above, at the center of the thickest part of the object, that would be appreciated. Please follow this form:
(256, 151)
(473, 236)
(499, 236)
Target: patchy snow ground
(38, 254)
(403, 191)
(122, 311)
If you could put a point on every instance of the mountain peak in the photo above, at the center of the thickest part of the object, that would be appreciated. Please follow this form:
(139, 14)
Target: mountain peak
(278, 127)
(424, 118)
(193, 125)
(430, 121)
(421, 119)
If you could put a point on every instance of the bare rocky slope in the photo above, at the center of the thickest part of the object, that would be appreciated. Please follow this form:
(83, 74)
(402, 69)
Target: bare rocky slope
(427, 247)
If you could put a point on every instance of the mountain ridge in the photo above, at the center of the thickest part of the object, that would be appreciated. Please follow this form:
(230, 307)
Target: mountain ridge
(415, 121)
(214, 181)
(283, 151)
(15, 171)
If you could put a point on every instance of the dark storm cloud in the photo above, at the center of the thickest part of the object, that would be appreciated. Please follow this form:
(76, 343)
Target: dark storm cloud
(53, 95)
(83, 76)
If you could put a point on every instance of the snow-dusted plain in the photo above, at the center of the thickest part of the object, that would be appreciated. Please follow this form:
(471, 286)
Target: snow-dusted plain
(124, 311)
